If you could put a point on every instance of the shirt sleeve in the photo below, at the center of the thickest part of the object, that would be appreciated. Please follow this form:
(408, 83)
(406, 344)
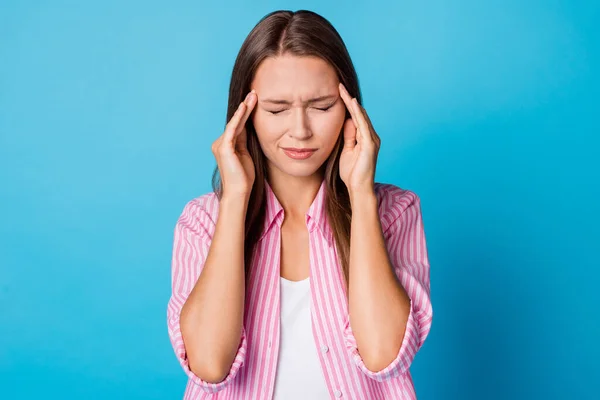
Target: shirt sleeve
(191, 243)
(404, 235)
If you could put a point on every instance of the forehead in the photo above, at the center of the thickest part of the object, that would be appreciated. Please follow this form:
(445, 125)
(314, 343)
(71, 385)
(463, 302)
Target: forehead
(294, 76)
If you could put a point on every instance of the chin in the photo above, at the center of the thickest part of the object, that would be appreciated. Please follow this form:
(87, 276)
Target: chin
(300, 170)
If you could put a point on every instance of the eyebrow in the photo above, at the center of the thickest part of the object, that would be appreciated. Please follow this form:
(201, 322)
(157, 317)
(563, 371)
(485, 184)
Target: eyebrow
(313, 100)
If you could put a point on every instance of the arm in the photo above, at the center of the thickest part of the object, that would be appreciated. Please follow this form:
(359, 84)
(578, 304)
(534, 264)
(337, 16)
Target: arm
(389, 308)
(205, 312)
(388, 294)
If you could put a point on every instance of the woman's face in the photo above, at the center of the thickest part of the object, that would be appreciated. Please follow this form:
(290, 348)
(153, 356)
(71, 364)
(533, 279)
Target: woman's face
(299, 107)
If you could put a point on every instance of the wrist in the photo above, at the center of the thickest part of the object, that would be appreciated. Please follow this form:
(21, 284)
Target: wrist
(363, 196)
(234, 203)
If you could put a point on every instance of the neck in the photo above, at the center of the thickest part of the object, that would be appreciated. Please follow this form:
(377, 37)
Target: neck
(295, 194)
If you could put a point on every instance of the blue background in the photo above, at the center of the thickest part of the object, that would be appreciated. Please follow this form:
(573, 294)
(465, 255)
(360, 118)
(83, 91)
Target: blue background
(488, 110)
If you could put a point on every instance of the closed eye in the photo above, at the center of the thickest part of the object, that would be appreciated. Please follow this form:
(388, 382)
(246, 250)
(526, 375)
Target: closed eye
(329, 106)
(275, 112)
(317, 108)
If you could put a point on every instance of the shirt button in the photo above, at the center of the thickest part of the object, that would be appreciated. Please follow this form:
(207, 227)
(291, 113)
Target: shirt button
(269, 343)
(337, 394)
(324, 349)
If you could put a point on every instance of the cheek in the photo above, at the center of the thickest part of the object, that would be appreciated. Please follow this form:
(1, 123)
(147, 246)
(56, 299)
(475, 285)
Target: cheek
(266, 130)
(330, 124)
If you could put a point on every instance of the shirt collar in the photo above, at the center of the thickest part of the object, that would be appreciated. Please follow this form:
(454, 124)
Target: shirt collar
(316, 216)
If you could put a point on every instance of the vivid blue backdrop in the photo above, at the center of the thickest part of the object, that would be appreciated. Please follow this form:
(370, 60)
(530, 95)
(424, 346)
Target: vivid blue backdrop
(487, 109)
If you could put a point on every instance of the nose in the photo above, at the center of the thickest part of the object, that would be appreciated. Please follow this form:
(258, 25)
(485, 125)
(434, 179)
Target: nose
(300, 126)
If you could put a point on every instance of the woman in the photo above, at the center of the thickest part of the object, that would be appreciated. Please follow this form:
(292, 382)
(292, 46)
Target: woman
(297, 237)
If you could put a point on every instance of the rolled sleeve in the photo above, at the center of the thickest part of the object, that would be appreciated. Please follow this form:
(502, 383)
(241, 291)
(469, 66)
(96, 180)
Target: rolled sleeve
(404, 235)
(191, 243)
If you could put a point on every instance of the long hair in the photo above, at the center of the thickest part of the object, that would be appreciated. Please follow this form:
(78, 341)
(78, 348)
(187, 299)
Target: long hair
(300, 33)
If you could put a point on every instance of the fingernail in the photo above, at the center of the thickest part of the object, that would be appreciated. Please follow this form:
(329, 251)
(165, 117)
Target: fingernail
(247, 96)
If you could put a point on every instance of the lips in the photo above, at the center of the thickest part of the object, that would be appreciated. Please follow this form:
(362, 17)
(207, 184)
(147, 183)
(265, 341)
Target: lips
(298, 154)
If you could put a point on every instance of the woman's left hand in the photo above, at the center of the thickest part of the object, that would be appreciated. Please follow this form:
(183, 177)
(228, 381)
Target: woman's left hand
(361, 147)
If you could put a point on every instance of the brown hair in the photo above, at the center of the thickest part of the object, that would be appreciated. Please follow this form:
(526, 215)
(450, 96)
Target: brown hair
(300, 33)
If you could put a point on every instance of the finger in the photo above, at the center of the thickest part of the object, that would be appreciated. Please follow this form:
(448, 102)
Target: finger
(233, 123)
(250, 101)
(241, 140)
(374, 134)
(363, 126)
(348, 101)
(240, 134)
(349, 134)
(355, 112)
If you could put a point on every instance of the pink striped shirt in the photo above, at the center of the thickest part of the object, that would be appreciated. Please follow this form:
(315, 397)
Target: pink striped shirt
(252, 374)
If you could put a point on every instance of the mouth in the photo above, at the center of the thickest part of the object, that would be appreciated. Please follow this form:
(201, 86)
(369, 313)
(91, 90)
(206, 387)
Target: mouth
(298, 154)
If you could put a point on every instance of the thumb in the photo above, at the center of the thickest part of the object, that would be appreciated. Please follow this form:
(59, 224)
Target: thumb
(349, 134)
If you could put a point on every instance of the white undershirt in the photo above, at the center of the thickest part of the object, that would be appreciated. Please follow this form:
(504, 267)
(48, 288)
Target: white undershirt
(299, 375)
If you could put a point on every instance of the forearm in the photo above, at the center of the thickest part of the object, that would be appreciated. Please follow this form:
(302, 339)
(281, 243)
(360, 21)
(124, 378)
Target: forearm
(378, 304)
(212, 316)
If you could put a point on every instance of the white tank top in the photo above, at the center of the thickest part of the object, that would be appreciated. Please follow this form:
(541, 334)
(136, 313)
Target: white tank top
(299, 375)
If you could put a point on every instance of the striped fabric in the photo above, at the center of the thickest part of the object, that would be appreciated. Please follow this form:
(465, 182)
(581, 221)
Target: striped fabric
(252, 374)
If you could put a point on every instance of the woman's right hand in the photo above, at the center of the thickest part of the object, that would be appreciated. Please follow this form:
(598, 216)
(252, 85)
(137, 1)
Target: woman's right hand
(233, 159)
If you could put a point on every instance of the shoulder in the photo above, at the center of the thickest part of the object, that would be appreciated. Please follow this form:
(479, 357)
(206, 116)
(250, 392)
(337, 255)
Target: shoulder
(200, 213)
(393, 201)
